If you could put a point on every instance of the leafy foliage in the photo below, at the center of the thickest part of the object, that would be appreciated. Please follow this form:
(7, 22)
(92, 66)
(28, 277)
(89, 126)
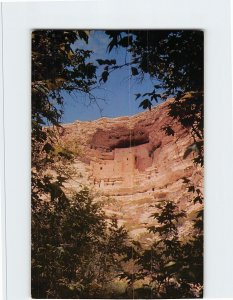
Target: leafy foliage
(56, 66)
(174, 59)
(75, 252)
(173, 266)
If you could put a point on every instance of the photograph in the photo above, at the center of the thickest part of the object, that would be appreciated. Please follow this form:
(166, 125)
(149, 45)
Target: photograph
(117, 163)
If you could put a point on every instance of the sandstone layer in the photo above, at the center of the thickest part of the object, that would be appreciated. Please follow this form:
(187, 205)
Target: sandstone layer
(130, 163)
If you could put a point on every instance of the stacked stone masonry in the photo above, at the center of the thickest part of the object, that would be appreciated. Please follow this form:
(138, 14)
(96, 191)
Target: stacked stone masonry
(133, 161)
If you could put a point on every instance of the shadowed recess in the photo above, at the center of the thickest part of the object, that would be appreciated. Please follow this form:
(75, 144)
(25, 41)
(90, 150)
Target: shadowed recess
(120, 137)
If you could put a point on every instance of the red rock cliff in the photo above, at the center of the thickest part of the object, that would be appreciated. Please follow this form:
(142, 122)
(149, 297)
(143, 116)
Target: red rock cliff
(131, 163)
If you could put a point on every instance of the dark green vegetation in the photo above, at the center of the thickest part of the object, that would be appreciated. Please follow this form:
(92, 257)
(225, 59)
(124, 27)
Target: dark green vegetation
(176, 60)
(76, 251)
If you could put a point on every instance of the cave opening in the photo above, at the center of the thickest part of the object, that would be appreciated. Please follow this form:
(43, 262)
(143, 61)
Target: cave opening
(119, 137)
(130, 143)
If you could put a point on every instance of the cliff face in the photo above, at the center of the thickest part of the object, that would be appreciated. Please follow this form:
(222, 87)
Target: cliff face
(130, 163)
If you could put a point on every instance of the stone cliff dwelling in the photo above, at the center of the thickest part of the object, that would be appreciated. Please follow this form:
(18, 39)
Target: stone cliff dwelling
(122, 158)
(132, 154)
(132, 163)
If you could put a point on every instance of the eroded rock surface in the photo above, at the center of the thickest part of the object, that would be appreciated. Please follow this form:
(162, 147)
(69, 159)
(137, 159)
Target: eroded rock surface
(132, 164)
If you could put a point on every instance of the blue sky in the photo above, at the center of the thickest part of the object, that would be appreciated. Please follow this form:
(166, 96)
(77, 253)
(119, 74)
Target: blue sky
(116, 96)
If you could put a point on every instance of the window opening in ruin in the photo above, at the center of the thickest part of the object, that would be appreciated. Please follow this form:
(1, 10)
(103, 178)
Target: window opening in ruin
(101, 168)
(153, 189)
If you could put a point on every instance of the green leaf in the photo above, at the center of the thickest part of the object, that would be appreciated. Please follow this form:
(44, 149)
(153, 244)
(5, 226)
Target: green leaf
(137, 96)
(168, 130)
(134, 71)
(145, 104)
(152, 229)
(106, 62)
(125, 41)
(155, 215)
(105, 76)
(82, 34)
